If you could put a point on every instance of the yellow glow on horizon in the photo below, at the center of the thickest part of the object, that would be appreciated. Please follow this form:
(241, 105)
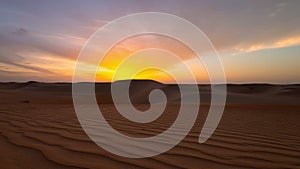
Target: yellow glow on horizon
(121, 51)
(153, 74)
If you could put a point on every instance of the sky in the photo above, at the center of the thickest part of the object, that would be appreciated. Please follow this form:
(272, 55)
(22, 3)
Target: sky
(257, 41)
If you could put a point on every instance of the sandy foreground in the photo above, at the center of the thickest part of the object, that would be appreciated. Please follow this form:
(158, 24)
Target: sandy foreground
(260, 128)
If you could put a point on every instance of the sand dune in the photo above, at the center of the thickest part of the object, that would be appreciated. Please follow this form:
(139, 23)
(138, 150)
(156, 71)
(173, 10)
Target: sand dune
(259, 129)
(258, 94)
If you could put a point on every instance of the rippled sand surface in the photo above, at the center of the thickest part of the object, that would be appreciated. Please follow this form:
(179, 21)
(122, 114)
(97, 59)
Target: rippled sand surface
(45, 133)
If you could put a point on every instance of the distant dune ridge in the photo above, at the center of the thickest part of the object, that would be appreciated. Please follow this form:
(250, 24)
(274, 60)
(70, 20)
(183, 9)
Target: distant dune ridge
(139, 91)
(259, 129)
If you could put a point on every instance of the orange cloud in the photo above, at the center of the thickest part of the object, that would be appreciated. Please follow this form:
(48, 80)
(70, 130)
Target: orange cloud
(284, 42)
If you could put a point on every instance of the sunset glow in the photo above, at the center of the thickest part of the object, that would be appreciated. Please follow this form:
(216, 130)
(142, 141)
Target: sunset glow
(261, 44)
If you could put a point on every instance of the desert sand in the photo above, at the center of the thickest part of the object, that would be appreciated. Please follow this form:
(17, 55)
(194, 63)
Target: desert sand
(260, 128)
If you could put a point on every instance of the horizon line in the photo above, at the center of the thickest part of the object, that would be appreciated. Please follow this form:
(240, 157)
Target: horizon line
(107, 82)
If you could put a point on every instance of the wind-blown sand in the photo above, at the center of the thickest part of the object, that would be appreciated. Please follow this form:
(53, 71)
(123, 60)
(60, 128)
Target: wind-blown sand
(260, 128)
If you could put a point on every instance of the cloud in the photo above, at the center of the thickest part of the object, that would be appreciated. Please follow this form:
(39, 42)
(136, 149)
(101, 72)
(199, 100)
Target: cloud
(29, 67)
(59, 45)
(20, 32)
(281, 43)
